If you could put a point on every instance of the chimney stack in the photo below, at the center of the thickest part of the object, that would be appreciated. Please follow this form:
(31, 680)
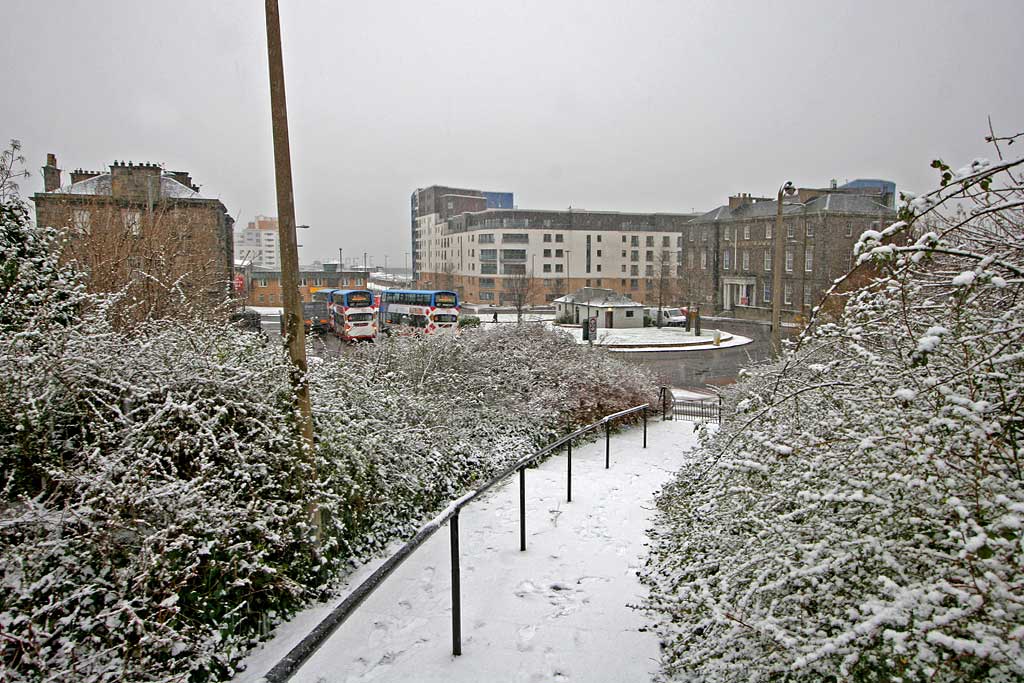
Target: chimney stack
(51, 174)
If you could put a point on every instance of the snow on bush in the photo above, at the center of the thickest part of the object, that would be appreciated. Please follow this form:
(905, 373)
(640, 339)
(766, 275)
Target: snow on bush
(155, 510)
(860, 517)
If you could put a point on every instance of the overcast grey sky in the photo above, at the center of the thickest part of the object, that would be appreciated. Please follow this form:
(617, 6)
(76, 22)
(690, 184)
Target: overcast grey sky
(630, 106)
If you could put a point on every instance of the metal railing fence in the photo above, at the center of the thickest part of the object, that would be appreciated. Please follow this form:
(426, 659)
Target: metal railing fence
(286, 668)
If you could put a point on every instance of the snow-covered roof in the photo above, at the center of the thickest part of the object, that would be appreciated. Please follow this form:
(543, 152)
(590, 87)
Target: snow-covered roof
(833, 202)
(597, 296)
(100, 185)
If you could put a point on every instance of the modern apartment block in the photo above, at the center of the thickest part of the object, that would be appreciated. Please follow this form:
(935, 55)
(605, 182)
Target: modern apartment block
(258, 244)
(486, 254)
(721, 259)
(437, 203)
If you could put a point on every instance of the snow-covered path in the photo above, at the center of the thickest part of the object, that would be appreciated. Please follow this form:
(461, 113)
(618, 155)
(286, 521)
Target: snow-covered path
(557, 612)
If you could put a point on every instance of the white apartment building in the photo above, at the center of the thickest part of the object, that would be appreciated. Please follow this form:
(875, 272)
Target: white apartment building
(258, 243)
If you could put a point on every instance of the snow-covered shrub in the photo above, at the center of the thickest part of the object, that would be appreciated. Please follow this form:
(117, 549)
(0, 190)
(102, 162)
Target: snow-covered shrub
(861, 517)
(154, 502)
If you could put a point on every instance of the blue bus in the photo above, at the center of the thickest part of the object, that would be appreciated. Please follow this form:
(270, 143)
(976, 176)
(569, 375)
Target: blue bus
(351, 314)
(423, 311)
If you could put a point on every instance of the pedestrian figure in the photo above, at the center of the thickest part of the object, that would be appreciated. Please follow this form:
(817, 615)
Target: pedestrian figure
(494, 319)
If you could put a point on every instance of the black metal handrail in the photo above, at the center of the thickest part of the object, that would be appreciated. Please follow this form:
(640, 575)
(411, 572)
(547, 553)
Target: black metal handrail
(298, 655)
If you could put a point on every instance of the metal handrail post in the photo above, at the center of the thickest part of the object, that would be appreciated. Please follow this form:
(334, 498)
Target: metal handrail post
(456, 598)
(644, 412)
(607, 445)
(568, 477)
(522, 508)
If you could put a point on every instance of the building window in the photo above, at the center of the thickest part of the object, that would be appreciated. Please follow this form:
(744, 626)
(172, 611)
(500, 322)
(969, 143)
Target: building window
(270, 298)
(704, 259)
(746, 260)
(488, 254)
(547, 267)
(767, 231)
(767, 261)
(599, 239)
(766, 292)
(809, 230)
(558, 267)
(588, 283)
(514, 238)
(261, 298)
(649, 256)
(728, 234)
(746, 232)
(547, 237)
(789, 260)
(487, 282)
(451, 205)
(486, 296)
(807, 294)
(547, 253)
(623, 267)
(666, 241)
(598, 283)
(689, 259)
(489, 268)
(486, 239)
(704, 235)
(558, 253)
(559, 238)
(849, 229)
(649, 241)
(81, 221)
(692, 231)
(623, 239)
(629, 313)
(634, 255)
(726, 258)
(263, 283)
(623, 253)
(808, 261)
(649, 270)
(787, 293)
(790, 230)
(599, 267)
(634, 284)
(634, 241)
(634, 270)
(598, 252)
(131, 221)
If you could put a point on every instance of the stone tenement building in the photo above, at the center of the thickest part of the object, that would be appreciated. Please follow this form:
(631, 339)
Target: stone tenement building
(139, 227)
(729, 251)
(717, 259)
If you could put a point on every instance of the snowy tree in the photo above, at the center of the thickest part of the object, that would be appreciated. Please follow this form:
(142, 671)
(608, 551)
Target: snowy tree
(860, 518)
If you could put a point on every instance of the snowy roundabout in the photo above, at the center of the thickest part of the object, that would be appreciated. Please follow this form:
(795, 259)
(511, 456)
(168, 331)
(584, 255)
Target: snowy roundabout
(658, 339)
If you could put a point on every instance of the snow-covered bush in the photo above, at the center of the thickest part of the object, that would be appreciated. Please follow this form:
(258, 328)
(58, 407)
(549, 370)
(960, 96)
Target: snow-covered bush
(861, 517)
(154, 503)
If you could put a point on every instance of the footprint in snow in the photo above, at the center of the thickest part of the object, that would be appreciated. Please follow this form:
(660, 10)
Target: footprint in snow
(524, 636)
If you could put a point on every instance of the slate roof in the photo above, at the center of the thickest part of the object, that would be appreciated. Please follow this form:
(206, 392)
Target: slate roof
(598, 296)
(832, 202)
(100, 185)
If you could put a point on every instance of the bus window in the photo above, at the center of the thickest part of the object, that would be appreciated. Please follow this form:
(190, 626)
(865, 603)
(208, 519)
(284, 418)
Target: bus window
(359, 317)
(445, 299)
(445, 318)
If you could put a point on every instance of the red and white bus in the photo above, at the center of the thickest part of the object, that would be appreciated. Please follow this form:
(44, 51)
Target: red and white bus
(419, 311)
(351, 314)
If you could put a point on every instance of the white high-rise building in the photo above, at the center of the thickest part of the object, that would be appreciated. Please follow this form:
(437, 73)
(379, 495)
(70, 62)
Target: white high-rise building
(258, 243)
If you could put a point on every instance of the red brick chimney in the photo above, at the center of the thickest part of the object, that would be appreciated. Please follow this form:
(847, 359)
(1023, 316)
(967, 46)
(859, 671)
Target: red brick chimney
(51, 174)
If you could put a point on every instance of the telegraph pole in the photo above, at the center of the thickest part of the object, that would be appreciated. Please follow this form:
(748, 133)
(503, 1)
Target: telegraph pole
(292, 327)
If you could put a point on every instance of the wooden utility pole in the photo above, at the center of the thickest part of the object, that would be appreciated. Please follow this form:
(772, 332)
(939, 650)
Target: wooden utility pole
(292, 324)
(778, 260)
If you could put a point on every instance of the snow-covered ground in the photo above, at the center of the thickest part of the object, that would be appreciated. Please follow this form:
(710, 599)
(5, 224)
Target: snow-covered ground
(659, 339)
(557, 612)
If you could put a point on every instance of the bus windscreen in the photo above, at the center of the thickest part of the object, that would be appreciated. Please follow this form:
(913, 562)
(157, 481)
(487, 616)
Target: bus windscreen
(359, 299)
(444, 300)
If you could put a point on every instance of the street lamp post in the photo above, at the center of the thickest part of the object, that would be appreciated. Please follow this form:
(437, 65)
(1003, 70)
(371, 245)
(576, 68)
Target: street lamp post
(777, 264)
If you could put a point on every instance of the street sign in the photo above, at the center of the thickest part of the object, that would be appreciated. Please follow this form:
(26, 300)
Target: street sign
(593, 327)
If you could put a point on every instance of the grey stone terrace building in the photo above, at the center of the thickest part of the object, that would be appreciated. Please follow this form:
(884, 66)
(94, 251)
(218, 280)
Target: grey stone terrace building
(729, 250)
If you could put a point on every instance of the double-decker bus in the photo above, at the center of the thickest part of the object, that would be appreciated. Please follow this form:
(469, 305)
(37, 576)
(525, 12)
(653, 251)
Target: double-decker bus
(351, 314)
(419, 310)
